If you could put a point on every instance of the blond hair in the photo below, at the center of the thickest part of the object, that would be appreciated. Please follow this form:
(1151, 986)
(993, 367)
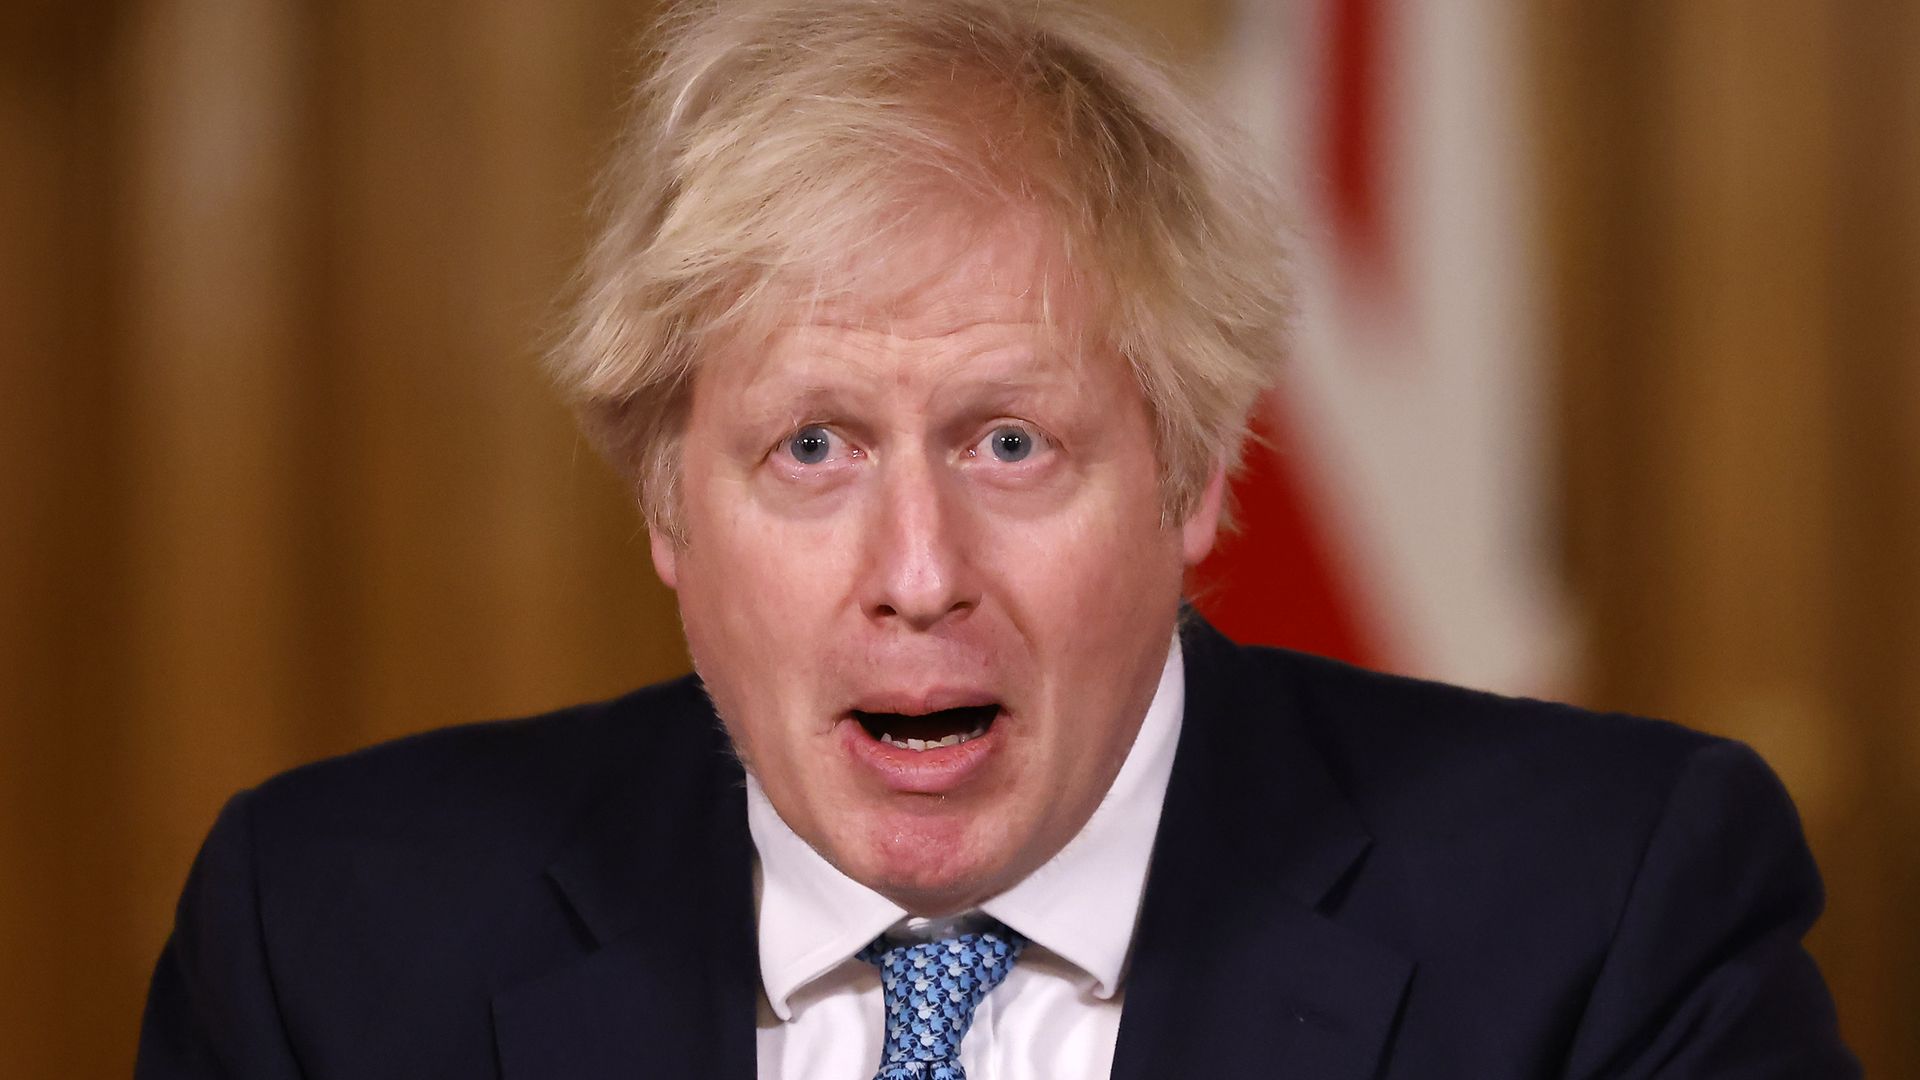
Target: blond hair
(772, 138)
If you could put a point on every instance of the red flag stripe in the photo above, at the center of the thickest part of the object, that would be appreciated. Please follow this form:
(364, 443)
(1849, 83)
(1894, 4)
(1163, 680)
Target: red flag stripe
(1276, 580)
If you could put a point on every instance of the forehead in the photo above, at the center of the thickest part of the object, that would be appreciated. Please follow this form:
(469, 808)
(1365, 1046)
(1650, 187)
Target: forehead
(939, 269)
(955, 286)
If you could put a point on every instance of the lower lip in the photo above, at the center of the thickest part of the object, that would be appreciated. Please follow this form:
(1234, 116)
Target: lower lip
(939, 771)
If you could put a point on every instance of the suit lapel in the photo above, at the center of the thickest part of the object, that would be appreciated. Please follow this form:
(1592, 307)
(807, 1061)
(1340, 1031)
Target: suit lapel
(1235, 970)
(658, 878)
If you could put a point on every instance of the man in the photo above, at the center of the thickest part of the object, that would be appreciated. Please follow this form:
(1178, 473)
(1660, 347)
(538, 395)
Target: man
(927, 332)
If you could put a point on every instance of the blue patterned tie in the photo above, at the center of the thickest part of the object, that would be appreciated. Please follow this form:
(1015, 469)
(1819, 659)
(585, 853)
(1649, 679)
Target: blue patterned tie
(932, 988)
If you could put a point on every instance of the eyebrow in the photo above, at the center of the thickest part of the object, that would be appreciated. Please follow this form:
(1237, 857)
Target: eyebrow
(776, 395)
(772, 399)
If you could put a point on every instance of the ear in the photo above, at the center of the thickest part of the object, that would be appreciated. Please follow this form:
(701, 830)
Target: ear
(1197, 533)
(665, 557)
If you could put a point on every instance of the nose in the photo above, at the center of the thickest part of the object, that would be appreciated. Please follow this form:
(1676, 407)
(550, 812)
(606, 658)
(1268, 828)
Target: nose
(918, 570)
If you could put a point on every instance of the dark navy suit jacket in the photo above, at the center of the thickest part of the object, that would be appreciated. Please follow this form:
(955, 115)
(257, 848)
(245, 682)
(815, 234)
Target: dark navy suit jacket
(1355, 876)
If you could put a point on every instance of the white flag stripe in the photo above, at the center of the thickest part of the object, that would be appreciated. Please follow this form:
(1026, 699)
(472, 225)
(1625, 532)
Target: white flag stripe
(1425, 405)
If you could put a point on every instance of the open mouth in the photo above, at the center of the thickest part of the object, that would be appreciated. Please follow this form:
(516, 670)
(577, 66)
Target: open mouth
(929, 731)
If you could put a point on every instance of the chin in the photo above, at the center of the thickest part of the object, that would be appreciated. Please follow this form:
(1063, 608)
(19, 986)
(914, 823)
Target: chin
(929, 865)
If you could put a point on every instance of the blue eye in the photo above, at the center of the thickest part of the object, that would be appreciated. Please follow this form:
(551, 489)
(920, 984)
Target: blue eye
(809, 445)
(1011, 444)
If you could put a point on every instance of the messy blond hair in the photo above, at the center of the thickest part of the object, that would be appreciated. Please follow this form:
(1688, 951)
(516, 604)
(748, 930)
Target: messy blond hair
(773, 137)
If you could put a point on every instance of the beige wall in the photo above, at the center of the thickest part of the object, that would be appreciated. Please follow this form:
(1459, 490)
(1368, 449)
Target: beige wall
(1734, 215)
(280, 477)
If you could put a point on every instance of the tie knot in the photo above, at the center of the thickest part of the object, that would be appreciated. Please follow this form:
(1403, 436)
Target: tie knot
(932, 989)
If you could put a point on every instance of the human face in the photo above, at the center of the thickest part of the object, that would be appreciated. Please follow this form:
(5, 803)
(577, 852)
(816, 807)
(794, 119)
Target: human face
(931, 517)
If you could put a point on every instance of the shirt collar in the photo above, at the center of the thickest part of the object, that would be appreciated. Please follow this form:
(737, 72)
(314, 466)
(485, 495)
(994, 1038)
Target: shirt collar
(1081, 904)
(812, 916)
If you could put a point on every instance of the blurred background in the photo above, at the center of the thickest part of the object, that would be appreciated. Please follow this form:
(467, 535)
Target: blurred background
(1608, 389)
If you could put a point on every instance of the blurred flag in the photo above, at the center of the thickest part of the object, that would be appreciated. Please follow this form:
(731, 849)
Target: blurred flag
(1400, 517)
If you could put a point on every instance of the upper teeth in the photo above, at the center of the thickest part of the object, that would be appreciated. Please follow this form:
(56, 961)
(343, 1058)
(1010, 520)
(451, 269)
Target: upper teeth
(931, 744)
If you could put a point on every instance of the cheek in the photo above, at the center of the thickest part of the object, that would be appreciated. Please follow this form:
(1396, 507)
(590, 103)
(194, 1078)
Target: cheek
(1096, 597)
(756, 600)
(760, 570)
(1074, 575)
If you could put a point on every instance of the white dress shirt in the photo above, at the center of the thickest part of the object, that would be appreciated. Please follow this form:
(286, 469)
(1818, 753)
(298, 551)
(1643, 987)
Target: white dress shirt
(1057, 1014)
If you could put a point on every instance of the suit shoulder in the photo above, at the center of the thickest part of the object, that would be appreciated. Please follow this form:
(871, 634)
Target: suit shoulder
(501, 778)
(1416, 751)
(1520, 824)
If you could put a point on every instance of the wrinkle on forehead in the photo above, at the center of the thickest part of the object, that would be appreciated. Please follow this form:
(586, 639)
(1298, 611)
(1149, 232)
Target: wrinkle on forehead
(969, 324)
(960, 267)
(824, 365)
(986, 302)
